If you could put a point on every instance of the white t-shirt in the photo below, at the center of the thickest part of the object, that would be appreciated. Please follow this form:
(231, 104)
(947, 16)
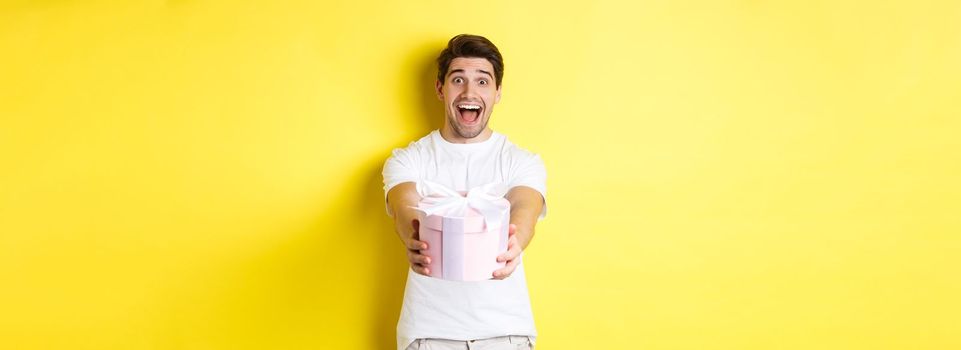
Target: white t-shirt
(437, 308)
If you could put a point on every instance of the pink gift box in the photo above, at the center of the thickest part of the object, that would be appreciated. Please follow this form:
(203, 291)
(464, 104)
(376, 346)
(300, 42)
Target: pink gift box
(463, 242)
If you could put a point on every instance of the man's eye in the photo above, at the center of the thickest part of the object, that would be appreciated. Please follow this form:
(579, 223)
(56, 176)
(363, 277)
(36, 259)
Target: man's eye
(458, 80)
(483, 82)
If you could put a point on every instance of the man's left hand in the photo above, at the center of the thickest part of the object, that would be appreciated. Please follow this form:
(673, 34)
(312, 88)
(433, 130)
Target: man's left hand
(511, 256)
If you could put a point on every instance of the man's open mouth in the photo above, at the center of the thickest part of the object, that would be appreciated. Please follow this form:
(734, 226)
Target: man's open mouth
(469, 113)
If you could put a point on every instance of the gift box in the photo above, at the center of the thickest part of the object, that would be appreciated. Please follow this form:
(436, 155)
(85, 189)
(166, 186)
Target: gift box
(465, 232)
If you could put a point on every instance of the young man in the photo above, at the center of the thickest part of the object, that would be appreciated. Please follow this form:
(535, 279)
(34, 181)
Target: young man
(463, 154)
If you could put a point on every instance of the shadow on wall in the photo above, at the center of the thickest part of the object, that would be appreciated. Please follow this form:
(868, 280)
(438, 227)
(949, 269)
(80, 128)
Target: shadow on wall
(421, 68)
(294, 289)
(390, 268)
(388, 250)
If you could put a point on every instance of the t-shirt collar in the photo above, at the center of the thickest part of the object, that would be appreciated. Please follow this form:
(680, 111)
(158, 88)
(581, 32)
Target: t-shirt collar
(463, 146)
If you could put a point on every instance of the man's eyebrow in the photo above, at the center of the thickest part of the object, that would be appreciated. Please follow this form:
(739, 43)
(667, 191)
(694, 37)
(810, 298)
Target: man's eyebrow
(486, 72)
(459, 70)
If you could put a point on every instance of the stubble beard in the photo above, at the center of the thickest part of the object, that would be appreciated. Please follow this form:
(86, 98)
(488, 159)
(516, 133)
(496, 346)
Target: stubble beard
(464, 132)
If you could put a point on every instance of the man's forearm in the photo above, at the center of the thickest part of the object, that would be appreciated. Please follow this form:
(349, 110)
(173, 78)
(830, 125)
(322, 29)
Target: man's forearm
(526, 206)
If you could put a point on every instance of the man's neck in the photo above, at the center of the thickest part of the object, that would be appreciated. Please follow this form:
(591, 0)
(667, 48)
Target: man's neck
(450, 136)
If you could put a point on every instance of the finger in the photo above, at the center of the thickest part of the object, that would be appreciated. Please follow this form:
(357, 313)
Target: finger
(510, 254)
(416, 258)
(511, 230)
(507, 270)
(413, 244)
(513, 250)
(423, 270)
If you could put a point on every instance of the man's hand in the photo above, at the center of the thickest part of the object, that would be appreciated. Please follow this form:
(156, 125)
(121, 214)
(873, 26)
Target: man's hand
(510, 256)
(401, 199)
(526, 206)
(416, 249)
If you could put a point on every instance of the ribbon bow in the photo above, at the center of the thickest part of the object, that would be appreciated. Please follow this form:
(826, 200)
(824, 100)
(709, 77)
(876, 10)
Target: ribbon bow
(486, 199)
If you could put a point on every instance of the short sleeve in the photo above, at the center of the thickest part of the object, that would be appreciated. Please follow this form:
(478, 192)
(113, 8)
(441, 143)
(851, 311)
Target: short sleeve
(530, 172)
(398, 169)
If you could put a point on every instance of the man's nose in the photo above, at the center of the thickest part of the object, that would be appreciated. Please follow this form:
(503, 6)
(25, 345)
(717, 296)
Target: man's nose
(469, 89)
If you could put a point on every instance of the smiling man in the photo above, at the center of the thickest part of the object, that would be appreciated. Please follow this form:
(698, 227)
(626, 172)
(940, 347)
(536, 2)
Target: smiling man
(466, 153)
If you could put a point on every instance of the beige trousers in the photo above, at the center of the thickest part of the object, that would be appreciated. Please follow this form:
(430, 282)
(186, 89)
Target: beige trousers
(513, 342)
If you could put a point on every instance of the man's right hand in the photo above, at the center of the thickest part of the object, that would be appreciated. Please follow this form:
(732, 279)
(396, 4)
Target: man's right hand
(402, 198)
(415, 251)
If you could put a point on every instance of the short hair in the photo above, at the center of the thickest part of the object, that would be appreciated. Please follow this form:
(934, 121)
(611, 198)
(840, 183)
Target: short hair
(473, 46)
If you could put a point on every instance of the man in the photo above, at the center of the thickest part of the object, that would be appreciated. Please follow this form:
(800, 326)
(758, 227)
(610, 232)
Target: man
(463, 154)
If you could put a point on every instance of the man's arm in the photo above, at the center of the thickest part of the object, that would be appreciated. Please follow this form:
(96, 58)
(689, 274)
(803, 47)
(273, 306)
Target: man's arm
(401, 199)
(526, 207)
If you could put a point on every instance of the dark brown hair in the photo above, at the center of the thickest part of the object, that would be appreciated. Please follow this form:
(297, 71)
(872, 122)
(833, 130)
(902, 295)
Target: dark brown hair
(475, 46)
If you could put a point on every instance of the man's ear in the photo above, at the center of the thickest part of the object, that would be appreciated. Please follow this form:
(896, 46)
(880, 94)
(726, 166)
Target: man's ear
(439, 89)
(497, 97)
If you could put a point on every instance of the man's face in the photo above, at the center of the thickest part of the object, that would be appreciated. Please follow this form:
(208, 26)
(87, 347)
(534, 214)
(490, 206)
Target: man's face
(469, 93)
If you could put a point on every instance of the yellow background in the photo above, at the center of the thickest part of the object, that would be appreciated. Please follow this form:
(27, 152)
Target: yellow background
(722, 175)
